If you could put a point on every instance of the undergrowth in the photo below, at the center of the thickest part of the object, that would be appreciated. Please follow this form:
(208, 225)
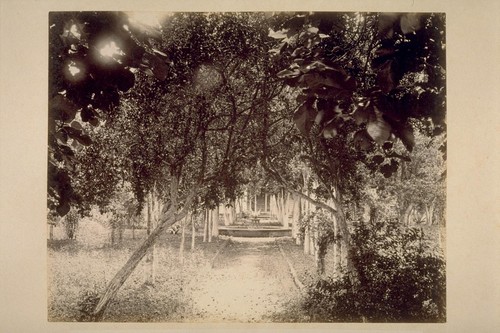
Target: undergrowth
(401, 279)
(78, 274)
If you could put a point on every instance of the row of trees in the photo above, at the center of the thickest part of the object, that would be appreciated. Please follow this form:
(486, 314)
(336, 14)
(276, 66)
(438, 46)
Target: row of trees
(184, 111)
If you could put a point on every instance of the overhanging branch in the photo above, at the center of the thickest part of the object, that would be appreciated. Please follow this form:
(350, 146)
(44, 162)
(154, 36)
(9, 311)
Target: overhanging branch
(277, 176)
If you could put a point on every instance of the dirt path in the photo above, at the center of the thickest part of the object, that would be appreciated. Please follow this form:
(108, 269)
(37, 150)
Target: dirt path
(249, 282)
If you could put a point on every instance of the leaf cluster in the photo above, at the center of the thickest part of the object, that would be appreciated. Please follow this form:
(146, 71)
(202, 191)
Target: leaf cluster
(400, 280)
(419, 180)
(321, 224)
(200, 123)
(92, 56)
(378, 71)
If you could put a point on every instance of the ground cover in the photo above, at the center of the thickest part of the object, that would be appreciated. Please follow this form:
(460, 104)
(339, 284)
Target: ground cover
(303, 264)
(76, 270)
(249, 282)
(221, 281)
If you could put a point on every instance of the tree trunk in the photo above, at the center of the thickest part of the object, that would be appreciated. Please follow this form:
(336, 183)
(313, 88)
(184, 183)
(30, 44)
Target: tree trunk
(122, 275)
(280, 209)
(169, 217)
(429, 212)
(272, 206)
(183, 238)
(346, 244)
(288, 208)
(234, 216)
(284, 213)
(352, 211)
(210, 217)
(205, 225)
(338, 248)
(407, 213)
(335, 251)
(151, 260)
(120, 232)
(312, 242)
(295, 218)
(113, 230)
(151, 256)
(337, 211)
(227, 215)
(51, 231)
(148, 216)
(277, 209)
(373, 215)
(307, 239)
(215, 222)
(342, 255)
(193, 231)
(319, 260)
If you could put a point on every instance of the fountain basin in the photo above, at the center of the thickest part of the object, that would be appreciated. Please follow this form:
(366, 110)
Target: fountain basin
(254, 231)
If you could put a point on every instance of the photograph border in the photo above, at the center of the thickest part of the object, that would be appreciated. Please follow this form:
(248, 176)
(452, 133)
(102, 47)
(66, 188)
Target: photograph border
(472, 61)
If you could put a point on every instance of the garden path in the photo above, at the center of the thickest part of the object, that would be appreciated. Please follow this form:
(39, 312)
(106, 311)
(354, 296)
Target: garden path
(249, 282)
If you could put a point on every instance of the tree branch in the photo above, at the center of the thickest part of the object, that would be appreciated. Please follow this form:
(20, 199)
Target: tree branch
(277, 176)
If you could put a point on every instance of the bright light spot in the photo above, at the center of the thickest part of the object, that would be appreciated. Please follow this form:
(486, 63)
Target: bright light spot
(110, 50)
(421, 77)
(360, 17)
(73, 69)
(75, 31)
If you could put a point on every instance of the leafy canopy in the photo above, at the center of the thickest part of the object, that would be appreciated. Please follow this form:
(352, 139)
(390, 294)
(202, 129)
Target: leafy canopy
(377, 71)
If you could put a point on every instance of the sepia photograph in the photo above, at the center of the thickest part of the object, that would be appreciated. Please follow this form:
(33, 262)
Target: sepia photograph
(247, 167)
(270, 166)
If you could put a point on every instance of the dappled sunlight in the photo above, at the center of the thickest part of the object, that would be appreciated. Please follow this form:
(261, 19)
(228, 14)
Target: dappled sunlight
(109, 51)
(206, 78)
(75, 71)
(148, 22)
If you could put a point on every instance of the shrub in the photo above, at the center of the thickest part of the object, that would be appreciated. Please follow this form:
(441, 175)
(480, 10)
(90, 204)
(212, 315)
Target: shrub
(331, 300)
(321, 225)
(400, 280)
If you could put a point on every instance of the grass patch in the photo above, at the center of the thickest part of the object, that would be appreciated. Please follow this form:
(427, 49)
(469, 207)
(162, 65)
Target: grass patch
(74, 269)
(303, 263)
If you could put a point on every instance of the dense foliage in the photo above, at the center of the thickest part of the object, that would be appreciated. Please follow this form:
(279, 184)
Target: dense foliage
(320, 224)
(92, 57)
(415, 193)
(364, 82)
(401, 279)
(372, 72)
(153, 135)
